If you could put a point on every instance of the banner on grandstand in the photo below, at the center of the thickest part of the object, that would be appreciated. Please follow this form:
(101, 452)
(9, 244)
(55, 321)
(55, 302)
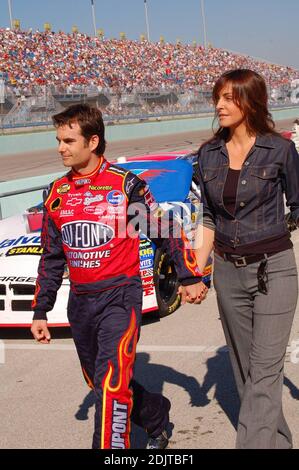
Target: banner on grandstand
(2, 91)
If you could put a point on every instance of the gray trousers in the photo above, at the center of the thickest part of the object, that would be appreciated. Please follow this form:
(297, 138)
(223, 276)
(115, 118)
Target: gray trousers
(257, 329)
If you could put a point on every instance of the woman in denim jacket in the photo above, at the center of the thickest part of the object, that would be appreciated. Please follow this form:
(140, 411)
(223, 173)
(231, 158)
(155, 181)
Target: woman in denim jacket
(243, 171)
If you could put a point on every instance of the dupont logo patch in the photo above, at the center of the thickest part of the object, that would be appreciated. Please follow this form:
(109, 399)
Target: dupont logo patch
(119, 425)
(82, 235)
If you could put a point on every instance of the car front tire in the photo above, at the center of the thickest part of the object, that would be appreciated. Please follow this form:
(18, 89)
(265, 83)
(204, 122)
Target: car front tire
(166, 284)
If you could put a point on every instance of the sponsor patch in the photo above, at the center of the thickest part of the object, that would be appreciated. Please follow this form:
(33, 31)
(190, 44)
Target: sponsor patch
(67, 213)
(85, 264)
(116, 210)
(146, 253)
(113, 217)
(146, 263)
(83, 234)
(55, 205)
(100, 188)
(87, 259)
(144, 242)
(115, 197)
(91, 199)
(74, 201)
(82, 181)
(25, 250)
(119, 425)
(88, 255)
(63, 188)
(129, 185)
(96, 210)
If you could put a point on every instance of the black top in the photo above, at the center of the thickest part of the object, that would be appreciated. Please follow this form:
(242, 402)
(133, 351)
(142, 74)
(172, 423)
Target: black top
(270, 245)
(230, 190)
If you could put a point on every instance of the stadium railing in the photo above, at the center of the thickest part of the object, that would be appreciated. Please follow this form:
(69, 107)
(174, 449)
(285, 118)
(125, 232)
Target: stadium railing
(141, 104)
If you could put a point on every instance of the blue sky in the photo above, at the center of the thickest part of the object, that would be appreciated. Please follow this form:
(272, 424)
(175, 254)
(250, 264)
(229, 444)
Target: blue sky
(266, 29)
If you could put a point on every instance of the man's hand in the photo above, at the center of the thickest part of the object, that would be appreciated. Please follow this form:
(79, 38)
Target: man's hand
(193, 294)
(40, 331)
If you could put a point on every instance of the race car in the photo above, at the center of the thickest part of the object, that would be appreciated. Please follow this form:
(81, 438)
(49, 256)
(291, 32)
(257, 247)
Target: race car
(20, 245)
(293, 134)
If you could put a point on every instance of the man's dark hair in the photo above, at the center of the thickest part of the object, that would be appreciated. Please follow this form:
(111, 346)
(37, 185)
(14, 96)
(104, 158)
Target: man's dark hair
(89, 119)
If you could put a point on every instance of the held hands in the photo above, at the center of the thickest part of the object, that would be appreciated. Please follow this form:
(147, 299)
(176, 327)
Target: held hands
(40, 331)
(193, 294)
(291, 223)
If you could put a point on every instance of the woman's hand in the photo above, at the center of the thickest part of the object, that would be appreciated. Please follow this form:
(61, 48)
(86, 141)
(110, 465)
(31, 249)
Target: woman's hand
(193, 294)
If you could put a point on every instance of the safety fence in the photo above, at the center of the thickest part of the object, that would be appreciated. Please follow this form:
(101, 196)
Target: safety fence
(36, 107)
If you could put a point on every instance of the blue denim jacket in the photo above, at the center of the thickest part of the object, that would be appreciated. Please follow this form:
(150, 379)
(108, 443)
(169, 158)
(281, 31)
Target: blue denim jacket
(270, 169)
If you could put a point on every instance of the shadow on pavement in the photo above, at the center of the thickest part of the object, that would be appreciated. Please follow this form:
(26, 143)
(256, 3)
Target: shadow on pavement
(83, 411)
(153, 376)
(220, 374)
(294, 391)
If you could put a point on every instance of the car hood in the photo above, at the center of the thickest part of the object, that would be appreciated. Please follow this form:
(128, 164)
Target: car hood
(169, 182)
(19, 247)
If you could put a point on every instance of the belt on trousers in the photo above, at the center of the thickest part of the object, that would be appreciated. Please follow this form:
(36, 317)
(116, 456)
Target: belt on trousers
(241, 261)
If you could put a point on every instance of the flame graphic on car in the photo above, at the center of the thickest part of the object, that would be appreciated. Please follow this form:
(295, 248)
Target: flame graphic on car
(149, 175)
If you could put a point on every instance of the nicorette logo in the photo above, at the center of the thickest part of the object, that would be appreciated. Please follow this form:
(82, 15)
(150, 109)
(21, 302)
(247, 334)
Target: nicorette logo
(82, 235)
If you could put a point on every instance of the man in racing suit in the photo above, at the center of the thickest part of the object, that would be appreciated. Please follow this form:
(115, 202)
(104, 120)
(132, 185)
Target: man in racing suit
(88, 223)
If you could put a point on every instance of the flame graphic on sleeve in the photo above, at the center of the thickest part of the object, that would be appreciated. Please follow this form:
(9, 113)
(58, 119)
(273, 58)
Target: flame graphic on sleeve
(120, 392)
(37, 289)
(87, 378)
(189, 257)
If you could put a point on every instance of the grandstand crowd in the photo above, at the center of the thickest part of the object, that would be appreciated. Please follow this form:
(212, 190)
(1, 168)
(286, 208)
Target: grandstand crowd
(30, 59)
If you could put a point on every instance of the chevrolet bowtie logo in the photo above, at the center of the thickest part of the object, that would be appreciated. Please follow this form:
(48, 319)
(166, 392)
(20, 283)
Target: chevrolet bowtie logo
(75, 201)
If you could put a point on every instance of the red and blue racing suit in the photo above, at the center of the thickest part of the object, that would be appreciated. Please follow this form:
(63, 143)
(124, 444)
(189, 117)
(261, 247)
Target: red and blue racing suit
(86, 225)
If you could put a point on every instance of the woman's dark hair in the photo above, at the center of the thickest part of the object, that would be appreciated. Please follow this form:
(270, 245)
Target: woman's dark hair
(89, 119)
(249, 92)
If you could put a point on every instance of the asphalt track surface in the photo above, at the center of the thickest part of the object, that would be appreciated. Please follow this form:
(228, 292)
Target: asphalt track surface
(45, 404)
(25, 165)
